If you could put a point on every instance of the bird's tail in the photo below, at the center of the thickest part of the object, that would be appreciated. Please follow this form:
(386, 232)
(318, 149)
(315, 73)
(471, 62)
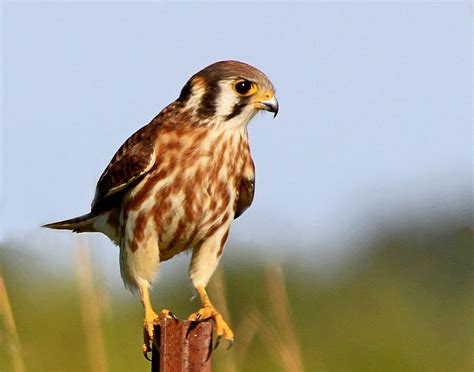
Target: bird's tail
(80, 224)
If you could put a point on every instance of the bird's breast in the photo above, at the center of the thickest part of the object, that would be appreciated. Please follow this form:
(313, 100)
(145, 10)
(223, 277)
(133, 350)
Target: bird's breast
(191, 191)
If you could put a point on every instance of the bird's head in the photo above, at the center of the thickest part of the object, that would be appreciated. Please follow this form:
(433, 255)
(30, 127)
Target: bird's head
(228, 92)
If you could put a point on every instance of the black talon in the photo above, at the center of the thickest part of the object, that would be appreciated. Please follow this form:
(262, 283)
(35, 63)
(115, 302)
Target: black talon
(145, 354)
(172, 315)
(218, 341)
(198, 317)
(231, 343)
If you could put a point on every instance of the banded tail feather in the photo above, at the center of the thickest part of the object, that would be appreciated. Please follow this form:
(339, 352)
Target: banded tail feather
(79, 224)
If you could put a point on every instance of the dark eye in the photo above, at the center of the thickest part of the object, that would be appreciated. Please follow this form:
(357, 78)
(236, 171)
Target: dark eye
(243, 87)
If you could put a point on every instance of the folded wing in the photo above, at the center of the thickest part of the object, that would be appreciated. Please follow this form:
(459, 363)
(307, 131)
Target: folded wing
(131, 162)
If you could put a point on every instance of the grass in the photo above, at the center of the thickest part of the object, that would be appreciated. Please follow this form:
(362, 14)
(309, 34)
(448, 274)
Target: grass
(10, 336)
(91, 312)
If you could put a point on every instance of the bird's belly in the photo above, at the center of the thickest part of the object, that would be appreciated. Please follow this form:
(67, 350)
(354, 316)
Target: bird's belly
(189, 217)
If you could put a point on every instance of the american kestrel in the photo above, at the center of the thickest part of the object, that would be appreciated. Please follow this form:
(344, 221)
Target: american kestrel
(178, 183)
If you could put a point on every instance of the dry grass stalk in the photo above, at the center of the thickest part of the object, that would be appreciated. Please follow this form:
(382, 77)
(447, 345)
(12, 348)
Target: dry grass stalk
(14, 341)
(272, 340)
(287, 344)
(218, 297)
(90, 309)
(246, 332)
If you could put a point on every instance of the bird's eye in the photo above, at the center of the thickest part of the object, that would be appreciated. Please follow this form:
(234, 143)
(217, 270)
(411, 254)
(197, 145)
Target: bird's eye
(244, 87)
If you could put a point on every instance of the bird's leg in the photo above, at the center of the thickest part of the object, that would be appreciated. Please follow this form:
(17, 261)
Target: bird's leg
(204, 261)
(151, 318)
(208, 311)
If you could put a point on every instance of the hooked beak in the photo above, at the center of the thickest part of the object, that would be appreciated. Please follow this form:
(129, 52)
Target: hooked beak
(270, 105)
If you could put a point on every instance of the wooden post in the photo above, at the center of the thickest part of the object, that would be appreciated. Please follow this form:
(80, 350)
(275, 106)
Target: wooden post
(184, 346)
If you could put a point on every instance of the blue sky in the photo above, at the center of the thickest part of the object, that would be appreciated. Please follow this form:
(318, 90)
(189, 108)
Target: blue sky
(375, 107)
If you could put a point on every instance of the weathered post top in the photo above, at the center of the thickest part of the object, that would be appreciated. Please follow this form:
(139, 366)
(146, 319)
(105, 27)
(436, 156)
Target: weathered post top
(184, 346)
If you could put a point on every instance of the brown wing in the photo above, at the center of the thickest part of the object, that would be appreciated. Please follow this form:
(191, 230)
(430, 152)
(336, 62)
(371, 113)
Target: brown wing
(246, 193)
(131, 162)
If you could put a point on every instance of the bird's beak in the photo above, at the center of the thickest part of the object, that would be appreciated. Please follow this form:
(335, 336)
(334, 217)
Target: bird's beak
(270, 105)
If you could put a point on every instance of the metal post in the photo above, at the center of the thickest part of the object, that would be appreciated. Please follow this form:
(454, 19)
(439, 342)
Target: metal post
(184, 346)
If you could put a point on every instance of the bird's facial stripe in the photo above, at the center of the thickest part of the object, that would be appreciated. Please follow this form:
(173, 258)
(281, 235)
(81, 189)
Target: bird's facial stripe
(193, 87)
(191, 94)
(185, 92)
(238, 108)
(208, 104)
(227, 99)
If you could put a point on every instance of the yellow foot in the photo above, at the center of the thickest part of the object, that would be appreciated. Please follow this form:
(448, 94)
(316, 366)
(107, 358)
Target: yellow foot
(222, 329)
(152, 319)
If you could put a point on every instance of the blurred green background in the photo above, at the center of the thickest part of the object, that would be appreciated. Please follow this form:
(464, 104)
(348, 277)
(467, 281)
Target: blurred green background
(402, 301)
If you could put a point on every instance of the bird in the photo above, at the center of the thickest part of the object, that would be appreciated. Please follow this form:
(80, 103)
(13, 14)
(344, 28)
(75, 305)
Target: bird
(178, 183)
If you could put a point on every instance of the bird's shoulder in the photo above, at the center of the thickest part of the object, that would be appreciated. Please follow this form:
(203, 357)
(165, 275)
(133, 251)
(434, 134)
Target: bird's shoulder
(132, 161)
